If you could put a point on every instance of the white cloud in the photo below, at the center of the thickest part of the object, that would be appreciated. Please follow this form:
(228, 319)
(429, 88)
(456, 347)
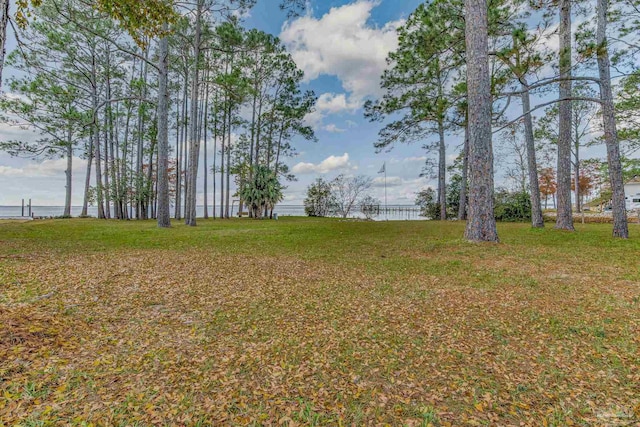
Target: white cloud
(331, 163)
(46, 168)
(333, 128)
(391, 181)
(344, 44)
(330, 103)
(415, 159)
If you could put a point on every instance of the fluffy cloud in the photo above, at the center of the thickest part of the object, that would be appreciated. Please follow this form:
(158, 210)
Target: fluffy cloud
(46, 168)
(333, 128)
(331, 163)
(330, 103)
(342, 43)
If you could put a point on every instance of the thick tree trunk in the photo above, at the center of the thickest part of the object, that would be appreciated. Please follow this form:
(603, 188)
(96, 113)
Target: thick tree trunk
(68, 173)
(564, 220)
(481, 225)
(537, 221)
(164, 205)
(620, 226)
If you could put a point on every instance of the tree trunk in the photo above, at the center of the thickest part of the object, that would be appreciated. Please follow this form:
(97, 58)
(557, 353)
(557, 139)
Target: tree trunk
(4, 21)
(87, 180)
(537, 221)
(164, 205)
(68, 172)
(215, 152)
(481, 225)
(107, 155)
(95, 135)
(620, 226)
(149, 187)
(227, 213)
(222, 152)
(576, 180)
(194, 145)
(564, 219)
(107, 169)
(462, 207)
(442, 172)
(206, 164)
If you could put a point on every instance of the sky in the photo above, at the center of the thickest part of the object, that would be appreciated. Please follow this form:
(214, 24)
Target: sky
(342, 46)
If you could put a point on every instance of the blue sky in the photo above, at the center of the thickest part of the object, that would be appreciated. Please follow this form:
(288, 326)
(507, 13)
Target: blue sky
(342, 46)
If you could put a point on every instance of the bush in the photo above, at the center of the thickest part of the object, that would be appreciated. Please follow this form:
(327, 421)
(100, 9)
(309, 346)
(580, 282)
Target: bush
(263, 192)
(370, 207)
(429, 207)
(512, 207)
(320, 201)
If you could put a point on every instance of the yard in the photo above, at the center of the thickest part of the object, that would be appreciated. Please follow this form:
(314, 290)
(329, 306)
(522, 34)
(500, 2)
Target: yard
(317, 322)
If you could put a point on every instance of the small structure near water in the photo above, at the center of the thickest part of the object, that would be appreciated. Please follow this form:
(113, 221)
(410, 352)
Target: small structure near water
(632, 193)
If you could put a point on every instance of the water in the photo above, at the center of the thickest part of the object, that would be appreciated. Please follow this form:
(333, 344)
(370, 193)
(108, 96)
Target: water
(396, 213)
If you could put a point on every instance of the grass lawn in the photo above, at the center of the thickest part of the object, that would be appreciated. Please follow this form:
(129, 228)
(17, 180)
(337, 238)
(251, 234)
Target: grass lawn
(316, 322)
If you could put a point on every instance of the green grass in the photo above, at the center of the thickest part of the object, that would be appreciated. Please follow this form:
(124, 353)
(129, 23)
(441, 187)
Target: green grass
(316, 322)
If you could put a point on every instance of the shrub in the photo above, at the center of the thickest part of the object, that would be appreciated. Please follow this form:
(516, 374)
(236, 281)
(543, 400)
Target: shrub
(512, 207)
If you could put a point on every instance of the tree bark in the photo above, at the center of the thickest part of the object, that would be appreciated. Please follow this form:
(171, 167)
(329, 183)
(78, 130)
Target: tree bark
(537, 221)
(227, 212)
(222, 153)
(620, 226)
(481, 225)
(68, 172)
(194, 146)
(87, 181)
(564, 219)
(107, 169)
(215, 152)
(442, 172)
(206, 164)
(576, 178)
(164, 205)
(95, 135)
(4, 21)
